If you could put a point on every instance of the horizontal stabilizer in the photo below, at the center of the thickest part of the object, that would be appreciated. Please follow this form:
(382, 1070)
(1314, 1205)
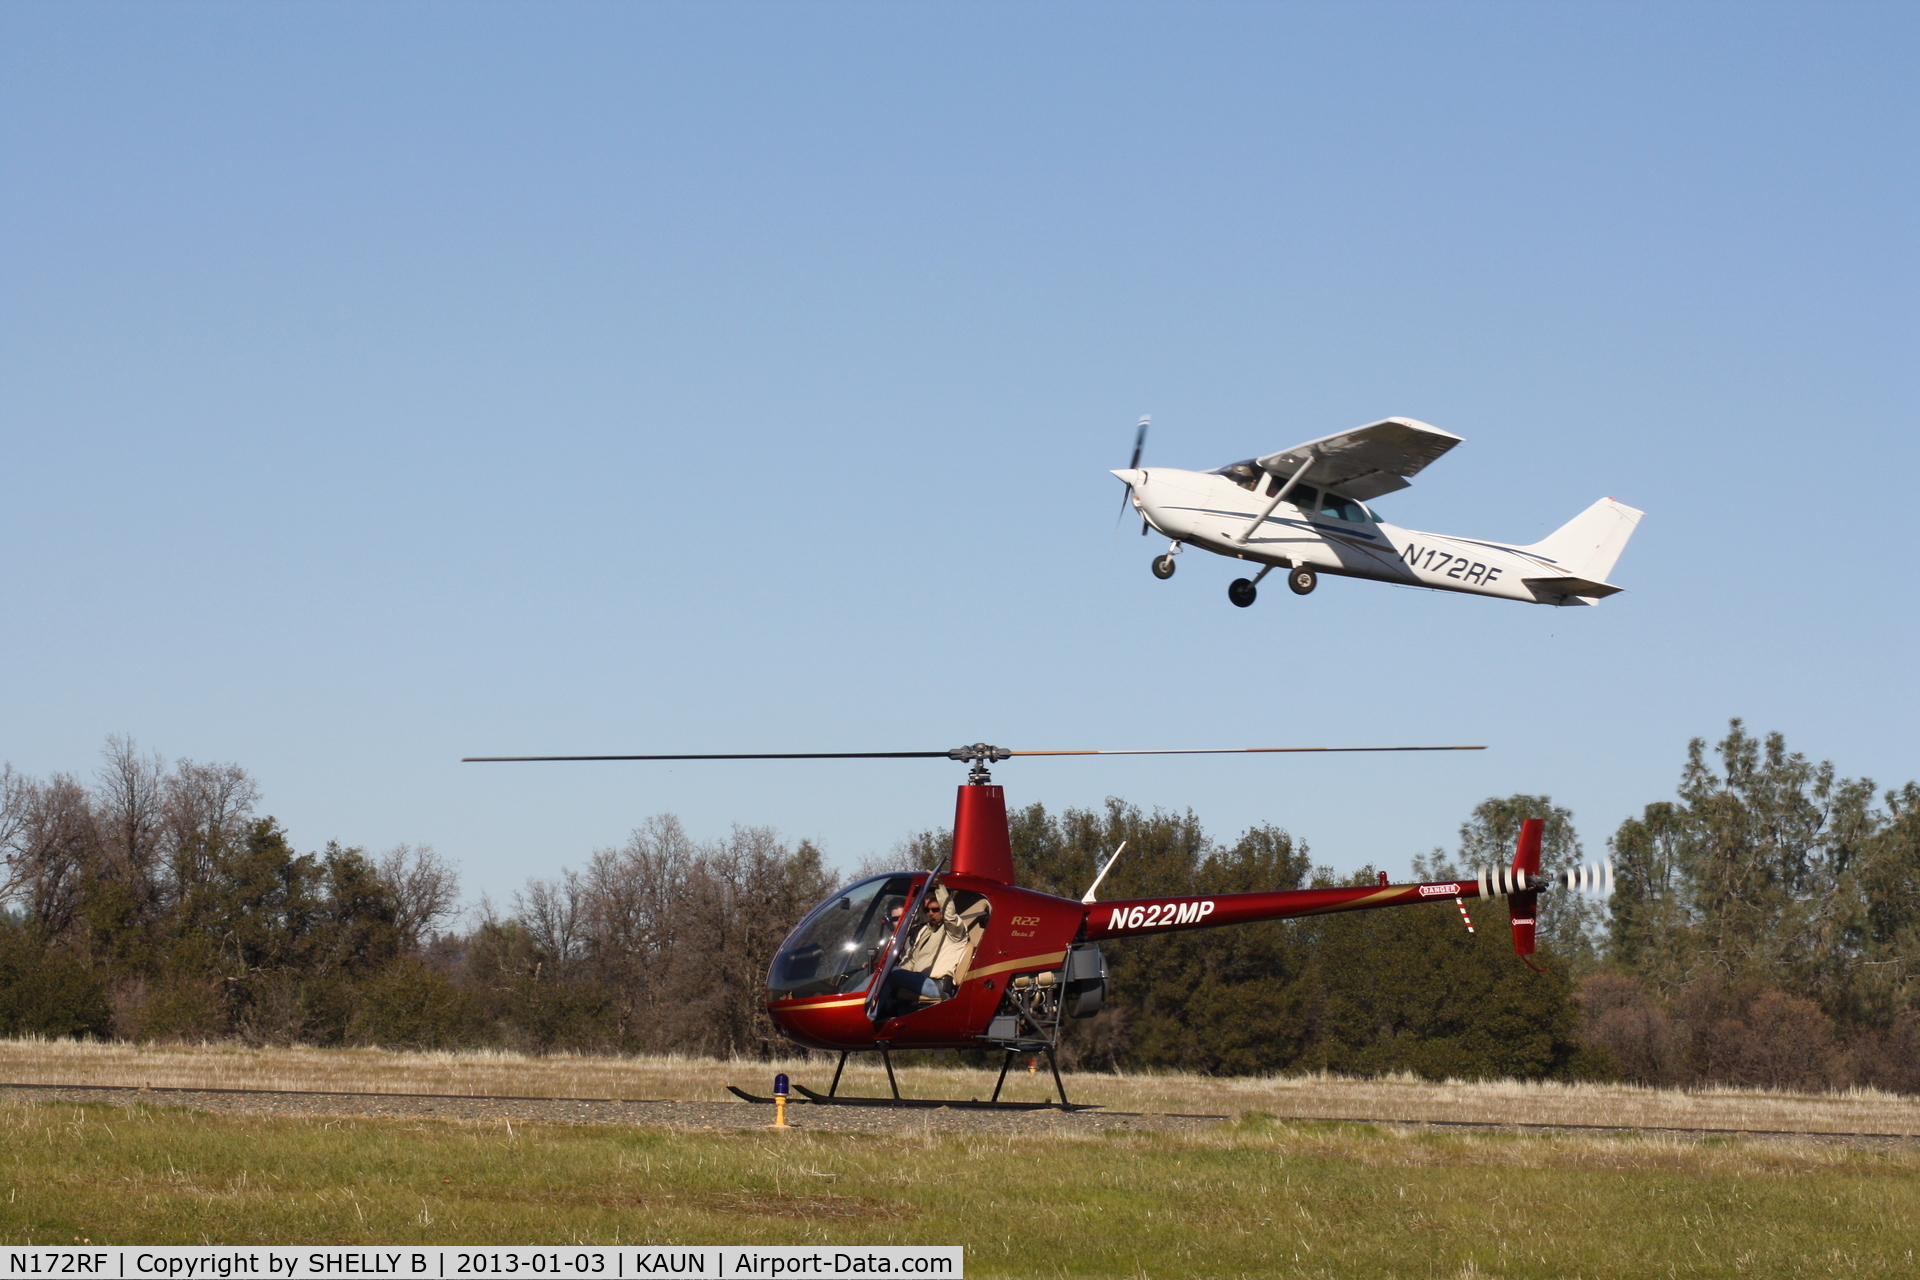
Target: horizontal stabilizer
(1571, 587)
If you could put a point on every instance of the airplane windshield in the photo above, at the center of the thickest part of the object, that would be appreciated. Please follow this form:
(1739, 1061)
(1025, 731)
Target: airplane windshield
(836, 948)
(1244, 474)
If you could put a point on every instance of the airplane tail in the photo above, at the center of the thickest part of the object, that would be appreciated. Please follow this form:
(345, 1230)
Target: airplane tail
(1587, 546)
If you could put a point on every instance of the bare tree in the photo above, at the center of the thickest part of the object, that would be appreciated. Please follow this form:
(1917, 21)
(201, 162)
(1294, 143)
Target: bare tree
(634, 907)
(677, 933)
(55, 847)
(743, 896)
(16, 799)
(425, 889)
(128, 799)
(551, 913)
(204, 808)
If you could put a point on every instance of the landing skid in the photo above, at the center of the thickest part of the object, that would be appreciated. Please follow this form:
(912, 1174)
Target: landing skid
(832, 1098)
(958, 1104)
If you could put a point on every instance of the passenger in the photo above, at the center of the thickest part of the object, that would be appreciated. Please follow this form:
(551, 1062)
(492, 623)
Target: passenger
(930, 969)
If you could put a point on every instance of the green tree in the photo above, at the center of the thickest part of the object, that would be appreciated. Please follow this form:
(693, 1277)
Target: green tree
(1215, 1000)
(44, 990)
(1649, 918)
(1410, 989)
(1569, 924)
(1771, 871)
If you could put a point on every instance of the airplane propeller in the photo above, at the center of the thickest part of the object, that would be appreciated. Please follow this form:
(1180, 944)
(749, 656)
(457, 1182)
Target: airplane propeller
(1139, 443)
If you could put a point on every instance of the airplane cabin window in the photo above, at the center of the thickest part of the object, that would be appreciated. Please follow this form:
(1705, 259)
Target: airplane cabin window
(1342, 508)
(1305, 497)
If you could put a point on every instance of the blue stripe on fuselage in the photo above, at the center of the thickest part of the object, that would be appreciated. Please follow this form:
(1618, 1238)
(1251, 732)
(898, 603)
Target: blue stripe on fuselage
(1279, 520)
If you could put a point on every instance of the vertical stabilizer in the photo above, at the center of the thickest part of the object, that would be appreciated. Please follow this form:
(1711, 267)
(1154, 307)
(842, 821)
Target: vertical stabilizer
(1588, 545)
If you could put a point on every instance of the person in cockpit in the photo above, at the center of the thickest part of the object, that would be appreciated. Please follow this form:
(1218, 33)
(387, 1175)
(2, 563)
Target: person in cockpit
(937, 955)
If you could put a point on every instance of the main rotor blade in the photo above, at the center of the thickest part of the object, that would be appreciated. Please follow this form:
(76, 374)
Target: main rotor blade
(1232, 751)
(948, 755)
(785, 755)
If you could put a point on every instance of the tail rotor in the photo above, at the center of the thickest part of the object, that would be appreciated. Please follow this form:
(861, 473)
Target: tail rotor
(1595, 877)
(1522, 883)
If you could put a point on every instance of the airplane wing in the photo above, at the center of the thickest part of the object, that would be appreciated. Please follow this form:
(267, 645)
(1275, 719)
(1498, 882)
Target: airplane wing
(1367, 461)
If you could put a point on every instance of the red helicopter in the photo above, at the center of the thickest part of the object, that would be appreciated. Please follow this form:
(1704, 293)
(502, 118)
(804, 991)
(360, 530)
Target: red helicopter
(1025, 961)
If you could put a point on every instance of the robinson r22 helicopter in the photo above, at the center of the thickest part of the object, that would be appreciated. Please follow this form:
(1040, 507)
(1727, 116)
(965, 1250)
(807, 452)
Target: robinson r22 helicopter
(1030, 959)
(1301, 510)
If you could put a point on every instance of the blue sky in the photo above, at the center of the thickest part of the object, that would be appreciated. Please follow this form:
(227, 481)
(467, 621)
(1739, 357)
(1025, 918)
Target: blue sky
(385, 384)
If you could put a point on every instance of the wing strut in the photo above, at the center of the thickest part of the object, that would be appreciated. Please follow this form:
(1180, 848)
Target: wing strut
(1285, 489)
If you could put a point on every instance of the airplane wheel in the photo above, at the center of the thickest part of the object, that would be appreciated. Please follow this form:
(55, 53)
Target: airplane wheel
(1302, 581)
(1163, 567)
(1241, 592)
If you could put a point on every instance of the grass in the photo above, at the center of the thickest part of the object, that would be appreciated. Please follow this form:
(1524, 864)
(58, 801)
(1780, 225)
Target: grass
(697, 1079)
(1255, 1197)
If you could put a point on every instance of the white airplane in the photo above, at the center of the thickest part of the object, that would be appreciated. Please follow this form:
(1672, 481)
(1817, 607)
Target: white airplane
(1302, 510)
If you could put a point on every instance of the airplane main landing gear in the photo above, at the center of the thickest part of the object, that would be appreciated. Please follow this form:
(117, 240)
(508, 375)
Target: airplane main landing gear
(1242, 592)
(1163, 567)
(1302, 580)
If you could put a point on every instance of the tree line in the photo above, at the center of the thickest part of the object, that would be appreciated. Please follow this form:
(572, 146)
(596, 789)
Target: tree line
(1765, 930)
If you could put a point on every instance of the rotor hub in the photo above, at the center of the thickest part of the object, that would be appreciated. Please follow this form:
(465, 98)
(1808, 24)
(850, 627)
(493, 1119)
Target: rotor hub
(980, 754)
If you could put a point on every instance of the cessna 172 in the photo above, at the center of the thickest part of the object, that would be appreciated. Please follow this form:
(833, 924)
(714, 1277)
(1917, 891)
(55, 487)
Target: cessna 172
(1302, 510)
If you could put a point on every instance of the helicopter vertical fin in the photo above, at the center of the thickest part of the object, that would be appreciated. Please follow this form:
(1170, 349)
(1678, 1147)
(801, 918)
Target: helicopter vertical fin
(1522, 906)
(981, 844)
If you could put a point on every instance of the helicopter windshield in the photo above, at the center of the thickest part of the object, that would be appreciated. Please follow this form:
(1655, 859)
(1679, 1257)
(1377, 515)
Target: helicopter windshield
(836, 948)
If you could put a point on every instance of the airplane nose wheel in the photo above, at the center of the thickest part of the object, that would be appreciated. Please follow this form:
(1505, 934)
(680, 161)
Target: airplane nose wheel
(1302, 581)
(1163, 567)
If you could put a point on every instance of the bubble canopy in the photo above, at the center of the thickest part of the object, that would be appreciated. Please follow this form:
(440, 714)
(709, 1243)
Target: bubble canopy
(837, 947)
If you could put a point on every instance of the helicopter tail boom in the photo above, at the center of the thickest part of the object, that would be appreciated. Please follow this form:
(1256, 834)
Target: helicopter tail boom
(1521, 885)
(1139, 917)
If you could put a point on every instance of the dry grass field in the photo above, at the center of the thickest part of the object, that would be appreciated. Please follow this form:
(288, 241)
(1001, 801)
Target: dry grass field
(1269, 1191)
(1251, 1198)
(703, 1080)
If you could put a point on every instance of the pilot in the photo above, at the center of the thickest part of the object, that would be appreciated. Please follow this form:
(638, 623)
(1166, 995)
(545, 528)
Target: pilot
(879, 949)
(930, 969)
